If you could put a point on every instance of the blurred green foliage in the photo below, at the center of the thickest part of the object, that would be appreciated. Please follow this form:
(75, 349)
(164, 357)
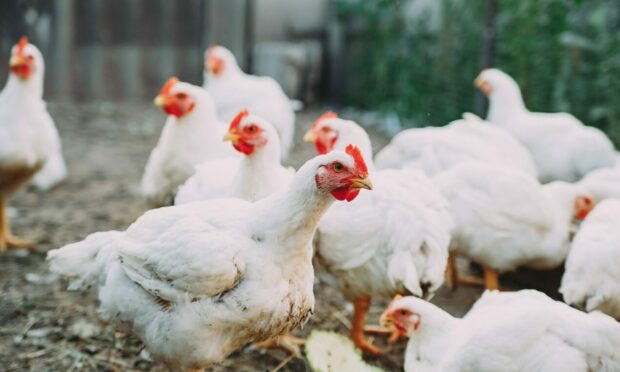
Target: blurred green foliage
(565, 55)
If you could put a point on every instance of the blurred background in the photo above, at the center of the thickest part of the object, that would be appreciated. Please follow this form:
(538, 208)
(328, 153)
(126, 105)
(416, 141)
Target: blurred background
(413, 60)
(389, 64)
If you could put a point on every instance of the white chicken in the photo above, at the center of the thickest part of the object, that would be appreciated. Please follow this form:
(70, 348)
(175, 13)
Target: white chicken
(505, 219)
(234, 90)
(591, 278)
(197, 281)
(393, 240)
(562, 147)
(506, 332)
(191, 135)
(254, 177)
(434, 149)
(603, 183)
(28, 137)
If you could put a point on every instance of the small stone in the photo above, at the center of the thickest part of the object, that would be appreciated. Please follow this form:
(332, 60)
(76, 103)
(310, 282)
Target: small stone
(84, 329)
(42, 332)
(144, 354)
(41, 279)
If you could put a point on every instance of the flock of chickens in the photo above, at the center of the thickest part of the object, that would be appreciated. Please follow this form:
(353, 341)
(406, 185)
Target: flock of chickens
(231, 262)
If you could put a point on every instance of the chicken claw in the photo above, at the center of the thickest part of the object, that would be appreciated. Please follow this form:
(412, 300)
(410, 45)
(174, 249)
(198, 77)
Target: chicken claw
(289, 343)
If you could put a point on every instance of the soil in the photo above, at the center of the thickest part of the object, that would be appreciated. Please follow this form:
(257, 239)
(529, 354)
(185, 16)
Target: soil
(43, 327)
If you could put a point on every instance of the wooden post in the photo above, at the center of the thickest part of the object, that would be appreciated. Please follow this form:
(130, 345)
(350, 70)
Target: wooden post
(249, 35)
(60, 71)
(488, 49)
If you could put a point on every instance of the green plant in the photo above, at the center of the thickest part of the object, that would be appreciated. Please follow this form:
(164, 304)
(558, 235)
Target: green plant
(565, 54)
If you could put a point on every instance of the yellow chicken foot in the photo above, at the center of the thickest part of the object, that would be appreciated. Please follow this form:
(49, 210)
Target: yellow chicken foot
(491, 278)
(289, 343)
(360, 308)
(7, 240)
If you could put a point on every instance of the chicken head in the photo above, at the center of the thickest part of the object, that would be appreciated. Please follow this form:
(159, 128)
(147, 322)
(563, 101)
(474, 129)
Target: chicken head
(246, 134)
(215, 60)
(22, 62)
(400, 316)
(173, 101)
(344, 177)
(583, 205)
(321, 134)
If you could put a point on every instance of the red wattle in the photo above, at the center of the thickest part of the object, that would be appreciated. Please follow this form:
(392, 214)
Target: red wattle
(323, 149)
(23, 71)
(244, 147)
(173, 110)
(345, 193)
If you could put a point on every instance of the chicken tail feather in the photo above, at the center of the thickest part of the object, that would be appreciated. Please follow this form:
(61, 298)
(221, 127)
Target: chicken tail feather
(85, 261)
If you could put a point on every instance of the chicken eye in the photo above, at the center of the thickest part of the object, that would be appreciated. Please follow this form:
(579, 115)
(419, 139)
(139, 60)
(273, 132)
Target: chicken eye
(403, 312)
(30, 58)
(326, 129)
(251, 128)
(338, 167)
(181, 95)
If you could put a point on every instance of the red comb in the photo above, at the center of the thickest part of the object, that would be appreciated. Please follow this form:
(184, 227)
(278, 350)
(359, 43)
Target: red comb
(169, 84)
(237, 120)
(360, 164)
(21, 45)
(327, 115)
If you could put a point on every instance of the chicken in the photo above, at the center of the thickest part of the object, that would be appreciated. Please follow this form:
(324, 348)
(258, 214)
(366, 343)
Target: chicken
(434, 149)
(591, 278)
(505, 219)
(53, 173)
(192, 134)
(603, 183)
(254, 177)
(401, 235)
(28, 137)
(197, 281)
(506, 331)
(233, 90)
(562, 147)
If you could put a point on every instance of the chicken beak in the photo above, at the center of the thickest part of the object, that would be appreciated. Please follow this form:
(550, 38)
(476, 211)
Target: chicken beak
(16, 61)
(159, 101)
(479, 82)
(386, 319)
(483, 86)
(232, 137)
(361, 183)
(310, 136)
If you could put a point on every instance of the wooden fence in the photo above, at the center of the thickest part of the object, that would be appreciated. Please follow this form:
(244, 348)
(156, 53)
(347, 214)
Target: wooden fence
(122, 49)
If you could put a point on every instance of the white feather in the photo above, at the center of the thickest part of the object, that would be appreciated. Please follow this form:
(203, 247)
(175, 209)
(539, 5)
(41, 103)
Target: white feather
(562, 147)
(505, 219)
(434, 149)
(198, 281)
(233, 90)
(184, 143)
(591, 279)
(392, 240)
(511, 331)
(28, 136)
(251, 178)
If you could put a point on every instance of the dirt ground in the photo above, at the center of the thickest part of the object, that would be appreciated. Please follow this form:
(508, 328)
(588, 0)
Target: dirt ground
(45, 328)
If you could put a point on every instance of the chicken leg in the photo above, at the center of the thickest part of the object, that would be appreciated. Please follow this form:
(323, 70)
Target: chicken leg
(451, 277)
(491, 278)
(360, 308)
(287, 342)
(7, 240)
